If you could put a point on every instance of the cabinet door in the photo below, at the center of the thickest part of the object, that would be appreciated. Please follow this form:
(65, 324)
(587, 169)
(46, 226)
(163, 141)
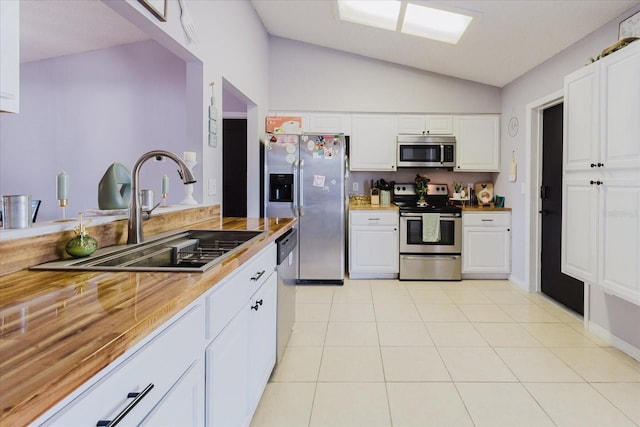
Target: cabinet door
(183, 405)
(263, 311)
(10, 56)
(620, 109)
(373, 249)
(619, 249)
(486, 250)
(581, 119)
(227, 374)
(580, 228)
(329, 123)
(373, 142)
(477, 143)
(411, 124)
(438, 124)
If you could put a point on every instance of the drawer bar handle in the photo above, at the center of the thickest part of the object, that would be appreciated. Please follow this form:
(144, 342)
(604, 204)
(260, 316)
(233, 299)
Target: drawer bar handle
(255, 307)
(258, 276)
(487, 220)
(137, 397)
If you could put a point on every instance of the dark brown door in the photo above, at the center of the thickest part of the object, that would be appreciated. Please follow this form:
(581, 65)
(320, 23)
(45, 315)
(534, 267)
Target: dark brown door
(234, 168)
(562, 288)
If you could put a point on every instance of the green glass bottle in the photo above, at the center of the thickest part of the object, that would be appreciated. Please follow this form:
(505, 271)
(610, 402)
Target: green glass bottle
(82, 245)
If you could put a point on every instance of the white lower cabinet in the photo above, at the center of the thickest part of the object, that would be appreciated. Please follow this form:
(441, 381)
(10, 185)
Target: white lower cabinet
(262, 347)
(159, 384)
(486, 244)
(241, 357)
(228, 374)
(373, 244)
(209, 366)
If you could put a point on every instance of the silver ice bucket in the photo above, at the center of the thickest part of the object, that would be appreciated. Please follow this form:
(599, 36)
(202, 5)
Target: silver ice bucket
(16, 211)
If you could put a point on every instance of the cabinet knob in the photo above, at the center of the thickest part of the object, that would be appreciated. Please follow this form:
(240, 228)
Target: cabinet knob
(593, 165)
(600, 165)
(592, 182)
(258, 304)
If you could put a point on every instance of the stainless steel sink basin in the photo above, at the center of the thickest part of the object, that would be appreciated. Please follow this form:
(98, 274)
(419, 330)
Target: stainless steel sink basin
(192, 250)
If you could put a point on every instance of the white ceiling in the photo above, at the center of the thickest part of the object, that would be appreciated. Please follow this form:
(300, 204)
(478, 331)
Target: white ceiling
(507, 38)
(63, 27)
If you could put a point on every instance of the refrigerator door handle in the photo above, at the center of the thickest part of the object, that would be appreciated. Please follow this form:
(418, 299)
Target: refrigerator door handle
(295, 190)
(301, 187)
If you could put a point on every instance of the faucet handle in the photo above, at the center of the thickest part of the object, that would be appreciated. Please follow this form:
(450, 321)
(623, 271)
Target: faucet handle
(146, 214)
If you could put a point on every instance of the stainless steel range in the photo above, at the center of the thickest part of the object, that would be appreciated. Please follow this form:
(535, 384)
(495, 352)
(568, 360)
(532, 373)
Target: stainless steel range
(430, 236)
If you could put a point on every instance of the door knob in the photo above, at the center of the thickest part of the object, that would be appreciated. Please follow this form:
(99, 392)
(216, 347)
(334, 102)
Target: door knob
(544, 212)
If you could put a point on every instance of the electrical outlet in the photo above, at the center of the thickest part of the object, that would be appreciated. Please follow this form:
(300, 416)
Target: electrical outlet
(213, 187)
(355, 186)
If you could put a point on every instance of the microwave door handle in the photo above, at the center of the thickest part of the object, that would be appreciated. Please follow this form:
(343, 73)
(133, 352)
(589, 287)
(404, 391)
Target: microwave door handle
(301, 187)
(441, 154)
(296, 185)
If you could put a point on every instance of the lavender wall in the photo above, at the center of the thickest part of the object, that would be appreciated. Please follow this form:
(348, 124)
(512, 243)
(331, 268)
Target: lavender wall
(80, 113)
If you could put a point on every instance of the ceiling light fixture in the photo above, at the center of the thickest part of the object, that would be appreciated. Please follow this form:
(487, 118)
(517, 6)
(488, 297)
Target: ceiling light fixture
(416, 20)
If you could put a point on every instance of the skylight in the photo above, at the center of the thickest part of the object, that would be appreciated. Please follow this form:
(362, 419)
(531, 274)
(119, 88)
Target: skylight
(417, 20)
(376, 13)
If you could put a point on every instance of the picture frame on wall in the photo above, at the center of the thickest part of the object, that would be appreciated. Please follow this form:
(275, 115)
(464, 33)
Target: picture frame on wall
(157, 7)
(630, 27)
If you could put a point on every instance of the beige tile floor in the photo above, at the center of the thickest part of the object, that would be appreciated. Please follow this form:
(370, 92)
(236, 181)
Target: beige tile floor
(470, 353)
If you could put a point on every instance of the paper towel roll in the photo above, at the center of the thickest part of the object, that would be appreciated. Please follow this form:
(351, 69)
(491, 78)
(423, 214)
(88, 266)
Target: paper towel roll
(513, 169)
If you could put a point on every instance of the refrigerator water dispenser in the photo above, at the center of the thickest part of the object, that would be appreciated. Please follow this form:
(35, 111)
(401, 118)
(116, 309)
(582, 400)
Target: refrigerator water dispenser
(281, 187)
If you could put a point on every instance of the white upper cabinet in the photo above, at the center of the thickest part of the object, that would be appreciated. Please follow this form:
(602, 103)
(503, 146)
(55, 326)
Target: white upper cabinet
(10, 56)
(416, 124)
(328, 122)
(601, 178)
(581, 119)
(620, 109)
(477, 143)
(373, 142)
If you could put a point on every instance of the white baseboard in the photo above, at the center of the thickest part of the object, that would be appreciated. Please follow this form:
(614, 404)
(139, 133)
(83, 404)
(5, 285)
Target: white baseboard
(519, 283)
(615, 341)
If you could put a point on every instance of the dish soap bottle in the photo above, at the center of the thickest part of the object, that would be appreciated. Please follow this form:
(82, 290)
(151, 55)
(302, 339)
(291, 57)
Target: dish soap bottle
(82, 245)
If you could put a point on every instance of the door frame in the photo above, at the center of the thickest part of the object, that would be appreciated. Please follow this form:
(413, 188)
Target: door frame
(533, 203)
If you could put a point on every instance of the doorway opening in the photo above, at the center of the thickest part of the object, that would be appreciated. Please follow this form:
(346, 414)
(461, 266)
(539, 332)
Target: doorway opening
(240, 157)
(553, 283)
(534, 207)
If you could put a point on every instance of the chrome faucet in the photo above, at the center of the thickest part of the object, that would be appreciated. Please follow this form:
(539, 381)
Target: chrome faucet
(135, 208)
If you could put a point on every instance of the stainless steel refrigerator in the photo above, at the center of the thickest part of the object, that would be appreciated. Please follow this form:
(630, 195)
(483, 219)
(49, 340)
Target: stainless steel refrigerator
(304, 179)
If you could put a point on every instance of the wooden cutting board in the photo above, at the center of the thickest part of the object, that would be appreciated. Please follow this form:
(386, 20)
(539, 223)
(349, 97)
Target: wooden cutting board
(484, 193)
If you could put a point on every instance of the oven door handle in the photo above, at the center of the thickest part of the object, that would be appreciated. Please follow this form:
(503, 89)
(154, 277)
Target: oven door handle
(442, 215)
(430, 256)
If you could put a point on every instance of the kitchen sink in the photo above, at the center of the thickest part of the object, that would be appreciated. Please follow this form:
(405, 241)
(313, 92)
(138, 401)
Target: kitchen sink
(188, 251)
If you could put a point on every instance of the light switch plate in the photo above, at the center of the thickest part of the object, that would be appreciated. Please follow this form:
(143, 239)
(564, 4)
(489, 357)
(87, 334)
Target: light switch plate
(212, 187)
(355, 186)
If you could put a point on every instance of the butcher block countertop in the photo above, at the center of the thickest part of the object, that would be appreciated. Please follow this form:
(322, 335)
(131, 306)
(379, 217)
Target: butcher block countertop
(58, 329)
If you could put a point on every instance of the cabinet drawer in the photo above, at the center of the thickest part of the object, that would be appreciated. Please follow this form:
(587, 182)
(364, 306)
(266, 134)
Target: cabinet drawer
(160, 363)
(229, 297)
(494, 219)
(374, 218)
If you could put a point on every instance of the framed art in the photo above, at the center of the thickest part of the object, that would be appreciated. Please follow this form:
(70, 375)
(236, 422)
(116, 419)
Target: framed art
(157, 7)
(630, 27)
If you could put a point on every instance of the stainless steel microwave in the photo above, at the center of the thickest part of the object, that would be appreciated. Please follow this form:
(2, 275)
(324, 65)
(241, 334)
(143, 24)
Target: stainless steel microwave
(426, 151)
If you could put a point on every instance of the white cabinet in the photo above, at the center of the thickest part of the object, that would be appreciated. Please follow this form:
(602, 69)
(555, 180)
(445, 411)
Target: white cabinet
(328, 122)
(227, 361)
(10, 56)
(263, 320)
(416, 124)
(601, 181)
(159, 378)
(373, 244)
(486, 244)
(477, 143)
(373, 142)
(242, 355)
